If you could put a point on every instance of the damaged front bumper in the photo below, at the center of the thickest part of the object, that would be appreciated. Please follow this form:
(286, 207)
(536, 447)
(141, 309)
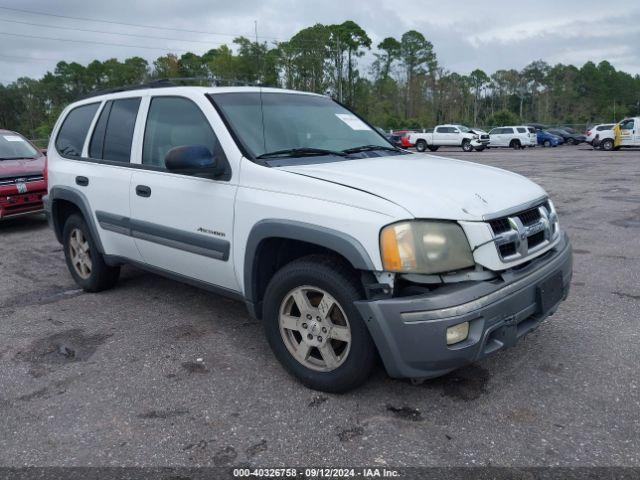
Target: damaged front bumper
(410, 332)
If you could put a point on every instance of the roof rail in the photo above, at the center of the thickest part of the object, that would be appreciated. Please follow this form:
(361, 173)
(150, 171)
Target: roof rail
(173, 82)
(162, 83)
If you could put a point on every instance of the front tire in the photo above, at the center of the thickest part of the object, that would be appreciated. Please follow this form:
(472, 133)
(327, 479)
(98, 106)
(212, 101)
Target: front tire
(85, 263)
(607, 144)
(466, 146)
(421, 145)
(313, 326)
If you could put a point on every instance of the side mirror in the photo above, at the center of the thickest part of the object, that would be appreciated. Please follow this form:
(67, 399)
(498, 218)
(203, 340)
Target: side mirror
(193, 160)
(43, 151)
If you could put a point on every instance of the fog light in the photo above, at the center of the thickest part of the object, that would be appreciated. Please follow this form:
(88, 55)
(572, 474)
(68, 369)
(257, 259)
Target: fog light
(457, 333)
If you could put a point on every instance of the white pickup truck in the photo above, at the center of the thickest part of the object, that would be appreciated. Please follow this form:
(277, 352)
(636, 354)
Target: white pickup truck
(450, 135)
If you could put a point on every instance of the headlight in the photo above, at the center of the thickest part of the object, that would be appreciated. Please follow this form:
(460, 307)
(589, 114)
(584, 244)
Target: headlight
(424, 247)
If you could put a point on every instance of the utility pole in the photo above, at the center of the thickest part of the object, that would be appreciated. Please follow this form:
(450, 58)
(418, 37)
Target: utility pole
(258, 64)
(339, 65)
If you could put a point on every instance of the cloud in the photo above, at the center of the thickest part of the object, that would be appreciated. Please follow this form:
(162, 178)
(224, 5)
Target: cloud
(466, 35)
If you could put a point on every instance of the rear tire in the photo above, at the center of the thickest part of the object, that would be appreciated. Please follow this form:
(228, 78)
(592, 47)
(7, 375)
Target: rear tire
(515, 144)
(547, 143)
(295, 328)
(85, 263)
(421, 145)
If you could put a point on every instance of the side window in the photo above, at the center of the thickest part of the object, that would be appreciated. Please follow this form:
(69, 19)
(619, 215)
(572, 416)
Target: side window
(441, 130)
(113, 134)
(175, 122)
(522, 130)
(627, 125)
(509, 131)
(494, 131)
(454, 130)
(73, 132)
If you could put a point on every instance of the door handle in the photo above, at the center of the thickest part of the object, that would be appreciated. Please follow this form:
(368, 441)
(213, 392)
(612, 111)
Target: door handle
(82, 181)
(143, 191)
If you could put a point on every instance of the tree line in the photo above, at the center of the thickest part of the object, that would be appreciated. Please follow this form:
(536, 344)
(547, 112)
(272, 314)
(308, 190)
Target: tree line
(404, 86)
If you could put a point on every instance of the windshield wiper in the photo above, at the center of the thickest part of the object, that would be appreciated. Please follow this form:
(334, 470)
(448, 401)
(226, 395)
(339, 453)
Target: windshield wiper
(301, 152)
(368, 148)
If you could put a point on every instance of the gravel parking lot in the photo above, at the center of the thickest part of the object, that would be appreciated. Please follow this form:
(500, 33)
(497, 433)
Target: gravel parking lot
(154, 372)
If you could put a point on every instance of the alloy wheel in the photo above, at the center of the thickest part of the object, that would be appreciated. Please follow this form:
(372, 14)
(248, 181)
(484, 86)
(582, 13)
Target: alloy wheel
(315, 328)
(80, 253)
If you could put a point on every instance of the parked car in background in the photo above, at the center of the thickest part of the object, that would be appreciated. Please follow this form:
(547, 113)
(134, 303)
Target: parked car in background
(22, 177)
(400, 138)
(572, 138)
(450, 135)
(345, 248)
(547, 139)
(519, 136)
(598, 132)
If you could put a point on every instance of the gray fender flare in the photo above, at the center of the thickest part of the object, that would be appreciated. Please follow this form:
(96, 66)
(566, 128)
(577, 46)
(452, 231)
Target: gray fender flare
(340, 242)
(78, 198)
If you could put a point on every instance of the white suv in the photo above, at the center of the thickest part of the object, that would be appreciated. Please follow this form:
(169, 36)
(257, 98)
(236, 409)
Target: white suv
(513, 137)
(345, 246)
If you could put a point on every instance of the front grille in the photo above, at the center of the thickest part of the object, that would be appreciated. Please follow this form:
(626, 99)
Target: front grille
(21, 179)
(508, 249)
(523, 233)
(535, 239)
(529, 217)
(500, 225)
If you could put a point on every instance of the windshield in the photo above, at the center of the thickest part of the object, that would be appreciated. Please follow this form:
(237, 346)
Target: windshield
(270, 123)
(464, 129)
(13, 146)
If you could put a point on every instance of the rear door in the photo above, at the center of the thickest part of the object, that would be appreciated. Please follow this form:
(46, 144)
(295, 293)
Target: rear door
(98, 166)
(440, 136)
(182, 224)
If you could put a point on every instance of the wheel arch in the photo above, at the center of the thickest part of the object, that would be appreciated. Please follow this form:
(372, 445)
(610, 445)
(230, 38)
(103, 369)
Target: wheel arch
(65, 201)
(273, 243)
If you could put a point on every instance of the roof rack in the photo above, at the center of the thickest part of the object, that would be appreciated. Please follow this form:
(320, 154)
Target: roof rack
(162, 83)
(172, 82)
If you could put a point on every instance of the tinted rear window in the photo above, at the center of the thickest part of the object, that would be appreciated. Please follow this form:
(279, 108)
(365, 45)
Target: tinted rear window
(74, 130)
(113, 134)
(531, 130)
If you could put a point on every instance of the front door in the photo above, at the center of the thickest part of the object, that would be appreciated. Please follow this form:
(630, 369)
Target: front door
(181, 223)
(628, 129)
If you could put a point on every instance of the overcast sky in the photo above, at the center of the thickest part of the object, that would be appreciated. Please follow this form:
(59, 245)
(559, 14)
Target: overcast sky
(466, 35)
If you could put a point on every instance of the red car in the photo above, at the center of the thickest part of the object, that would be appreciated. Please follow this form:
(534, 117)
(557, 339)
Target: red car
(22, 176)
(400, 138)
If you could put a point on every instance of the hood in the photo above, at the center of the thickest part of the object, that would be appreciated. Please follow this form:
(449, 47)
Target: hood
(24, 166)
(429, 186)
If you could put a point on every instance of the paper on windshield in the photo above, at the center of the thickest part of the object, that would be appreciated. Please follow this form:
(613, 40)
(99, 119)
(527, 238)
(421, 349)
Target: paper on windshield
(354, 122)
(13, 138)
